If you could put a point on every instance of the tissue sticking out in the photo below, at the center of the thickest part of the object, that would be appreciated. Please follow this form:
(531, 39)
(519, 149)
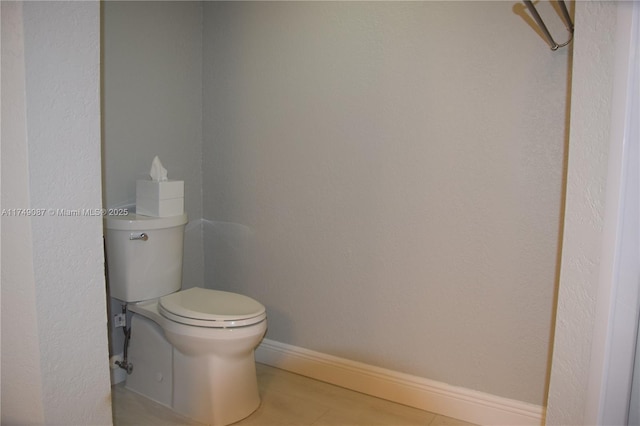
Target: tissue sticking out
(157, 173)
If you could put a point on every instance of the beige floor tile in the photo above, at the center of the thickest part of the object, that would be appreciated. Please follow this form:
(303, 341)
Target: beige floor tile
(280, 408)
(131, 409)
(448, 421)
(371, 416)
(289, 399)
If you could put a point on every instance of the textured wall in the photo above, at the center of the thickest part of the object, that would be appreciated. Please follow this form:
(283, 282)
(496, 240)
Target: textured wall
(21, 373)
(152, 105)
(62, 100)
(586, 181)
(387, 178)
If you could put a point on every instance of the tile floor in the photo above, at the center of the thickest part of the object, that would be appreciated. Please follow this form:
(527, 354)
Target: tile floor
(288, 399)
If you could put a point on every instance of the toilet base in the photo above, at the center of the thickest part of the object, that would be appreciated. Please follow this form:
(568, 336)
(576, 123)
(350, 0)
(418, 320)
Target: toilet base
(233, 396)
(214, 380)
(152, 359)
(207, 375)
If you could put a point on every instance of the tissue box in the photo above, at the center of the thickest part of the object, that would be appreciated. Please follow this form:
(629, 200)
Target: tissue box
(154, 198)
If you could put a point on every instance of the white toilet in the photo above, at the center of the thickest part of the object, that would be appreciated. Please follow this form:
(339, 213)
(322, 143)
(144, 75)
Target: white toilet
(190, 350)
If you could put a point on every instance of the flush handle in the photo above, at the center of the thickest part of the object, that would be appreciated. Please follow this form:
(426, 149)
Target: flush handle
(142, 236)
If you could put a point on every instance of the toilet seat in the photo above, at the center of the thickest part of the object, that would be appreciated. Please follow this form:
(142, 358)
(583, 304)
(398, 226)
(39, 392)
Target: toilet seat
(211, 308)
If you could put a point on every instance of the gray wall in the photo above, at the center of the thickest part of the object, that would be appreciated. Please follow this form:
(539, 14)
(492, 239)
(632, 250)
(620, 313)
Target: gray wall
(152, 105)
(387, 179)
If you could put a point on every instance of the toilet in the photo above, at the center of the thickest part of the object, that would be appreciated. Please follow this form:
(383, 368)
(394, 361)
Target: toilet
(190, 350)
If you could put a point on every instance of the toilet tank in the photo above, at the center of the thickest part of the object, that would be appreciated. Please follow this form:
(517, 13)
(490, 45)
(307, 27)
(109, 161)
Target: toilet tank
(144, 256)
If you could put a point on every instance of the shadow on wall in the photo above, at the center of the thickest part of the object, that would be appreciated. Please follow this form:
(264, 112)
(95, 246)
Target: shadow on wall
(229, 250)
(192, 256)
(231, 240)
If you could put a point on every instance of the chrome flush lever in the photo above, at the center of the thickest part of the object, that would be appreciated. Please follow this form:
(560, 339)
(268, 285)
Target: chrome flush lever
(142, 236)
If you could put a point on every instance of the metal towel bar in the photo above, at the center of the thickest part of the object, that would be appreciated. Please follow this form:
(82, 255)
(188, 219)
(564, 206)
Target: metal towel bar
(543, 27)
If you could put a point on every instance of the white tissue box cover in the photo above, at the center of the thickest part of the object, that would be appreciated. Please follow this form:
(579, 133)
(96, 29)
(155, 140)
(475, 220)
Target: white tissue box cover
(160, 190)
(159, 198)
(159, 208)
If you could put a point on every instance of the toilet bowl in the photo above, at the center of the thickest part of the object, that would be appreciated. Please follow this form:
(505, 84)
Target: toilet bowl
(213, 367)
(191, 350)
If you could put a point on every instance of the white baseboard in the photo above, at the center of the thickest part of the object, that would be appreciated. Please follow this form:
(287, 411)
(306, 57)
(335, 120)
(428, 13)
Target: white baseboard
(436, 397)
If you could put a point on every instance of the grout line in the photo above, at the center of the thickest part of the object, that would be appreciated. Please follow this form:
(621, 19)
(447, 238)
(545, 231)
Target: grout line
(327, 411)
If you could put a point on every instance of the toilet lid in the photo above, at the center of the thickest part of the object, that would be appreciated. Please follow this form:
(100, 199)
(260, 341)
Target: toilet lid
(211, 308)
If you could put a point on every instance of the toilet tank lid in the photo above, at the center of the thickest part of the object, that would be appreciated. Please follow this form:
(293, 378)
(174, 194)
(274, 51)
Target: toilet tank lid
(138, 222)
